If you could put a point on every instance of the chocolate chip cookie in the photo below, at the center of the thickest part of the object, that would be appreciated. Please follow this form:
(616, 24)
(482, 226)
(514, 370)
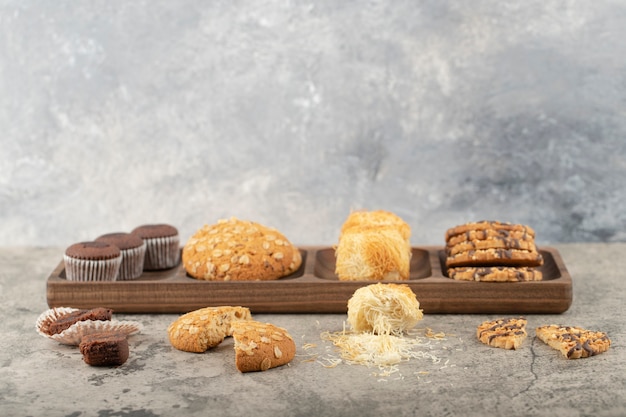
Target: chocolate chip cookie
(495, 274)
(574, 342)
(503, 333)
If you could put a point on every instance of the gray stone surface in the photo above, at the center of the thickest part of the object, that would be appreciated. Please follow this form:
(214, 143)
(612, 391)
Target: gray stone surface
(116, 113)
(40, 377)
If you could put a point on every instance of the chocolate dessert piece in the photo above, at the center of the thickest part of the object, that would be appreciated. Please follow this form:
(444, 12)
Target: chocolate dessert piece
(104, 349)
(64, 322)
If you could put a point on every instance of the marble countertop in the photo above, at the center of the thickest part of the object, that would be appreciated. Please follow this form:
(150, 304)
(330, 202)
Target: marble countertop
(459, 375)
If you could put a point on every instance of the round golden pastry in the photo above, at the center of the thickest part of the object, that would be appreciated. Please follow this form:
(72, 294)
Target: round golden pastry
(363, 219)
(384, 309)
(239, 250)
(368, 254)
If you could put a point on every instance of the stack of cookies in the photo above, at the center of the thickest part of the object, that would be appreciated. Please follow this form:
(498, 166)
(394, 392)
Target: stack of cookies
(492, 251)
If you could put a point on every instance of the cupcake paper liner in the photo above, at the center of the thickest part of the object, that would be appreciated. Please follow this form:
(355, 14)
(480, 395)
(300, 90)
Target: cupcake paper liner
(162, 252)
(132, 263)
(74, 334)
(91, 270)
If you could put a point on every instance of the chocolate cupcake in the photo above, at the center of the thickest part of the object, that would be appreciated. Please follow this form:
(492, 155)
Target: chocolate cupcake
(133, 250)
(92, 261)
(162, 246)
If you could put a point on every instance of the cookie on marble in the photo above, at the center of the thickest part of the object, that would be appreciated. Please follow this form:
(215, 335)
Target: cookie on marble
(261, 346)
(202, 329)
(574, 342)
(503, 333)
(238, 250)
(495, 274)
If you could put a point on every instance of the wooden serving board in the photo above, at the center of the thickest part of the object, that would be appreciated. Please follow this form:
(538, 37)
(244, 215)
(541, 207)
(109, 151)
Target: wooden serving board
(314, 288)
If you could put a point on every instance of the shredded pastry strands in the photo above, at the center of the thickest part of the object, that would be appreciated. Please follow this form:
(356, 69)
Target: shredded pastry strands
(375, 255)
(378, 350)
(384, 309)
(436, 336)
(381, 318)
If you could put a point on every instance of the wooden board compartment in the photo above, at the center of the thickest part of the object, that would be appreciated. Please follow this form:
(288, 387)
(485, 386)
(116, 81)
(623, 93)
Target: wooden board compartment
(314, 288)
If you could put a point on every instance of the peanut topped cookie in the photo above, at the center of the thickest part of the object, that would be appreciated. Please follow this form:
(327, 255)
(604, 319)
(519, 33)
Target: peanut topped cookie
(202, 329)
(261, 346)
(574, 342)
(503, 333)
(239, 250)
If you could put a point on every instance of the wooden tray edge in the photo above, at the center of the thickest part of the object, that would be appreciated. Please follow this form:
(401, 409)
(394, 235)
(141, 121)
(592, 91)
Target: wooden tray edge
(309, 294)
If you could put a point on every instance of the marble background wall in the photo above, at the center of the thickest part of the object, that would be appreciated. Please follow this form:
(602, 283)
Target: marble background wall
(292, 113)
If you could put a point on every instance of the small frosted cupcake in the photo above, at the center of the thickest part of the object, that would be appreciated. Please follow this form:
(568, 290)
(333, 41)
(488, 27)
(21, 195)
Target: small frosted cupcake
(133, 250)
(162, 246)
(92, 261)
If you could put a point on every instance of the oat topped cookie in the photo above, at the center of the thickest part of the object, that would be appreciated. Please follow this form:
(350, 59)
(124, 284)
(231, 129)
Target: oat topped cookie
(238, 250)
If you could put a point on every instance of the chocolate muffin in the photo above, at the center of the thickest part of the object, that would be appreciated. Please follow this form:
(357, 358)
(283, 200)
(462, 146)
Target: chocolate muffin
(133, 250)
(104, 349)
(92, 261)
(162, 246)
